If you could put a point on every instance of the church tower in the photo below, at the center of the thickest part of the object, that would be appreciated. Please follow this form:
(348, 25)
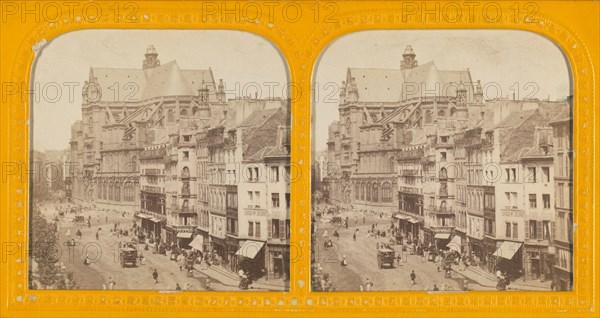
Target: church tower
(408, 59)
(151, 60)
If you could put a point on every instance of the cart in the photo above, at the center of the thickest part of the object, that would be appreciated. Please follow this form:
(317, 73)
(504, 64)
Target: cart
(128, 255)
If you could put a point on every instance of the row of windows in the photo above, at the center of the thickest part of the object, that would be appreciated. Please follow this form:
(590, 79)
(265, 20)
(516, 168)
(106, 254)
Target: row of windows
(370, 192)
(116, 192)
(545, 200)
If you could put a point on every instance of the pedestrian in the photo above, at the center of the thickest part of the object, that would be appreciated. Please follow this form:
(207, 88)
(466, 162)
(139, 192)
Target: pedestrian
(435, 288)
(344, 261)
(177, 287)
(413, 277)
(364, 220)
(111, 283)
(325, 234)
(354, 236)
(552, 286)
(398, 259)
(368, 284)
(155, 276)
(97, 236)
(68, 234)
(106, 219)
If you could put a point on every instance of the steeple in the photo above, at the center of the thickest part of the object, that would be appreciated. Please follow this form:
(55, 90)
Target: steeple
(408, 59)
(151, 60)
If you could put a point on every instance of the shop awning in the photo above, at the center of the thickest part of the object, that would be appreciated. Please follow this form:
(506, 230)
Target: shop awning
(155, 220)
(143, 216)
(414, 221)
(250, 248)
(184, 235)
(455, 244)
(197, 242)
(442, 236)
(507, 249)
(400, 217)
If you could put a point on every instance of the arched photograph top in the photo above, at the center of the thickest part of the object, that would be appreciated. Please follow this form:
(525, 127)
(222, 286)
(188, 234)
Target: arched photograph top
(160, 161)
(443, 162)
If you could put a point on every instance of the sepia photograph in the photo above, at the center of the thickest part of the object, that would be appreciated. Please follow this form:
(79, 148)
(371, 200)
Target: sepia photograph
(161, 161)
(442, 161)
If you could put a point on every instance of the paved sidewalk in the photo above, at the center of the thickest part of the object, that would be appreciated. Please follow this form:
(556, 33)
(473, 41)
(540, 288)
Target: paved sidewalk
(486, 279)
(228, 278)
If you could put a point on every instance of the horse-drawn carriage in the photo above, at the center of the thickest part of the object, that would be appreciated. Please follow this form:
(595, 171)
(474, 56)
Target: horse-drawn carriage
(128, 255)
(79, 219)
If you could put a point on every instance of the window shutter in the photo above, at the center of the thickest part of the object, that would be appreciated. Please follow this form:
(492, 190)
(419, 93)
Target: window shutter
(527, 225)
(269, 228)
(540, 229)
(282, 229)
(553, 230)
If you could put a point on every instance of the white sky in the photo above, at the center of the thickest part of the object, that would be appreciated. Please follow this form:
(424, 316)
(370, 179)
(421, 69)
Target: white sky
(503, 57)
(236, 57)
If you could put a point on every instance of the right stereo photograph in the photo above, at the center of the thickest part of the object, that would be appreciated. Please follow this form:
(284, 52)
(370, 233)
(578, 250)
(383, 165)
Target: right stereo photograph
(442, 161)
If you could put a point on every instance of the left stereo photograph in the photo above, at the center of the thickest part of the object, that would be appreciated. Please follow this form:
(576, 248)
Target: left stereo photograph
(160, 160)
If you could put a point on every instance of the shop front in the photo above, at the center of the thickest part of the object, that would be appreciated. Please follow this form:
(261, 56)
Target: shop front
(441, 240)
(277, 262)
(251, 257)
(205, 239)
(184, 238)
(218, 249)
(509, 258)
(408, 228)
(232, 246)
(151, 226)
(477, 256)
(489, 247)
(537, 262)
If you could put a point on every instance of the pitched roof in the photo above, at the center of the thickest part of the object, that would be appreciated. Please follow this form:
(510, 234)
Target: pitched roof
(167, 80)
(259, 117)
(255, 138)
(394, 85)
(131, 83)
(138, 84)
(377, 85)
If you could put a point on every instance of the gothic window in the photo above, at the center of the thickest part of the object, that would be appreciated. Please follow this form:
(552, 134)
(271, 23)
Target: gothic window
(442, 113)
(452, 111)
(386, 193)
(391, 164)
(117, 192)
(170, 116)
(183, 113)
(194, 111)
(375, 196)
(368, 191)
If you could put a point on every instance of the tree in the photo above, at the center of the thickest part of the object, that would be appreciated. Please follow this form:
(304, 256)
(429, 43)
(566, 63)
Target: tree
(46, 253)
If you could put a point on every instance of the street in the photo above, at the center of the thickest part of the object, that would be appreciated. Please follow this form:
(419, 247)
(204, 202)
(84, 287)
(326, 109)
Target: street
(104, 260)
(361, 256)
